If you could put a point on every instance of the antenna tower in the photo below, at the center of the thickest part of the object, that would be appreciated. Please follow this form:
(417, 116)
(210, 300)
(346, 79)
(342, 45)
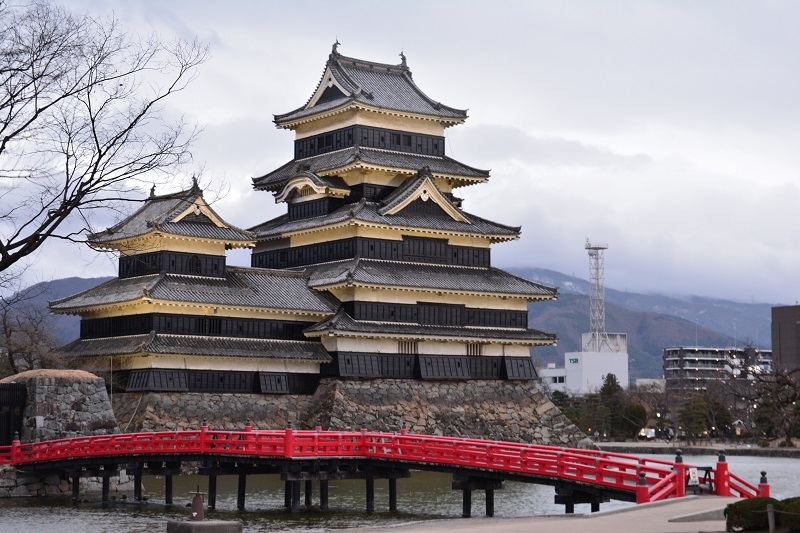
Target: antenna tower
(597, 300)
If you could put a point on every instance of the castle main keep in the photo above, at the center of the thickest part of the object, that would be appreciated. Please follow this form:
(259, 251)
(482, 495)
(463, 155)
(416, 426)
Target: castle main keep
(372, 299)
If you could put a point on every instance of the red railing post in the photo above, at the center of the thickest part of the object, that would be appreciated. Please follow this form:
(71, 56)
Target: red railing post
(642, 490)
(204, 436)
(680, 468)
(15, 449)
(722, 476)
(363, 440)
(288, 441)
(763, 486)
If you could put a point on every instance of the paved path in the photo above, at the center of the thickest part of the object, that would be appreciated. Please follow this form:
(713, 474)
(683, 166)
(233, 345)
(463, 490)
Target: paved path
(692, 512)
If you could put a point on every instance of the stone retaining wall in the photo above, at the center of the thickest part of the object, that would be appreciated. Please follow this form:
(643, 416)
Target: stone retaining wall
(498, 410)
(63, 404)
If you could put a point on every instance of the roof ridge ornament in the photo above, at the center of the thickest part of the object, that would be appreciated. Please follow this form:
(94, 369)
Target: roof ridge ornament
(402, 59)
(334, 48)
(153, 191)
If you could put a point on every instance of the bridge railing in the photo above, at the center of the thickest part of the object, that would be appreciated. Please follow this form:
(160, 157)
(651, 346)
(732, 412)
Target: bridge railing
(662, 479)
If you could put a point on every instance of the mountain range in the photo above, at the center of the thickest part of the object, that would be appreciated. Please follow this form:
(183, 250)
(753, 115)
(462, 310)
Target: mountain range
(651, 321)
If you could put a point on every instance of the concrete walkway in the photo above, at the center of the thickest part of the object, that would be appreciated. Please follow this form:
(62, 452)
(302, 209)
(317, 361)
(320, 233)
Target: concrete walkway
(692, 514)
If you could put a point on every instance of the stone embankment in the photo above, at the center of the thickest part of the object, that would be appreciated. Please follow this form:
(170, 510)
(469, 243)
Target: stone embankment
(498, 410)
(711, 448)
(61, 404)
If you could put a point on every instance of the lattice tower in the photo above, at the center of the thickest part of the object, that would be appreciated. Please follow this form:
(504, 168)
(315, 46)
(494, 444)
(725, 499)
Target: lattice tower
(597, 300)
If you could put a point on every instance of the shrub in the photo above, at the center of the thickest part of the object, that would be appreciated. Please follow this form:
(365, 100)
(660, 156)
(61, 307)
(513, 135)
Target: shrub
(763, 443)
(786, 444)
(790, 520)
(749, 514)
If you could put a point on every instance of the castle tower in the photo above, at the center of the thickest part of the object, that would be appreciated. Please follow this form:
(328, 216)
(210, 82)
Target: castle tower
(374, 271)
(178, 319)
(374, 222)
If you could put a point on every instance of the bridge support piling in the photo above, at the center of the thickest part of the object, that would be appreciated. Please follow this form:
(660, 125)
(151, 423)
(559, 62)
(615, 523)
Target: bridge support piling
(137, 486)
(323, 494)
(392, 494)
(308, 492)
(106, 488)
(76, 484)
(468, 484)
(370, 494)
(295, 496)
(212, 492)
(287, 494)
(466, 503)
(242, 490)
(168, 489)
(569, 496)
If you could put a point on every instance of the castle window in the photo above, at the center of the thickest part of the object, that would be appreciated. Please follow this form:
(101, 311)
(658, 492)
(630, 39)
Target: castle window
(407, 347)
(475, 349)
(193, 266)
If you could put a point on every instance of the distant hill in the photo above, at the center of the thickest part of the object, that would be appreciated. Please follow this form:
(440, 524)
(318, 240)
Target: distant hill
(652, 321)
(65, 327)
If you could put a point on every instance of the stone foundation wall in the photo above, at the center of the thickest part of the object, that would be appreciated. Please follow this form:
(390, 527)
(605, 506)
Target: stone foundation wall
(516, 411)
(498, 410)
(63, 404)
(170, 411)
(14, 484)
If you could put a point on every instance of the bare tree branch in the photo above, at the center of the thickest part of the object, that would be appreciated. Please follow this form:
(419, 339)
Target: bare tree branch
(82, 121)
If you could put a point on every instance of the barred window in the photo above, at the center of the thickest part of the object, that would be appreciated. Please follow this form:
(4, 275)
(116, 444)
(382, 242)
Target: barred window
(194, 266)
(475, 349)
(407, 347)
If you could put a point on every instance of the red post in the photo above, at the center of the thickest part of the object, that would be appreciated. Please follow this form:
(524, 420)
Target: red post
(15, 449)
(288, 441)
(642, 490)
(204, 436)
(763, 486)
(722, 477)
(680, 468)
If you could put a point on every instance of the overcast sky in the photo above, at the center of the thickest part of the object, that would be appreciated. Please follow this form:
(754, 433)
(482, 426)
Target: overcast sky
(668, 130)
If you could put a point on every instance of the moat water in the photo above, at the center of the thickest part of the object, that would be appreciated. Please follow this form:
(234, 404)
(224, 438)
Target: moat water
(423, 496)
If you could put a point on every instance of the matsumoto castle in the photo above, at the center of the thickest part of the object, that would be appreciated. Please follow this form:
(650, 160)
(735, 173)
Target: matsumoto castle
(375, 271)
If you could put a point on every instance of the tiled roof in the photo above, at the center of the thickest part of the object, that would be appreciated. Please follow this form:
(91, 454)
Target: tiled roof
(363, 156)
(158, 212)
(246, 287)
(199, 345)
(373, 84)
(343, 322)
(474, 280)
(368, 213)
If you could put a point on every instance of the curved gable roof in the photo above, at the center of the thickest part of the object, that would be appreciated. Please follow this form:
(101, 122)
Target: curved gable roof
(348, 80)
(183, 213)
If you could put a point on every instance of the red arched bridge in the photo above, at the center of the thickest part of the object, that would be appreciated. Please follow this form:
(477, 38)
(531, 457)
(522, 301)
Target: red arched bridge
(578, 475)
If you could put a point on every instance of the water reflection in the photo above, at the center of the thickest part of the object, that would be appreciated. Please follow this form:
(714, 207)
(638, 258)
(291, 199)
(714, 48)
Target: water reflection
(423, 496)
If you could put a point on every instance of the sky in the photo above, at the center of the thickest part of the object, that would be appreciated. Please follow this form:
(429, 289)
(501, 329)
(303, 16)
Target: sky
(667, 130)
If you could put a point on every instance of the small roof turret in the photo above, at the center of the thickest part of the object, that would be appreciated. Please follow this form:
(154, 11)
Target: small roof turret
(349, 83)
(181, 214)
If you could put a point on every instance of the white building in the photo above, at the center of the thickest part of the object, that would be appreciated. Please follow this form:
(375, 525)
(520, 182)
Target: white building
(584, 372)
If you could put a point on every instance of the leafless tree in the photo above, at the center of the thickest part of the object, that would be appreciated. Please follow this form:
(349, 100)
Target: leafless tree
(82, 121)
(26, 339)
